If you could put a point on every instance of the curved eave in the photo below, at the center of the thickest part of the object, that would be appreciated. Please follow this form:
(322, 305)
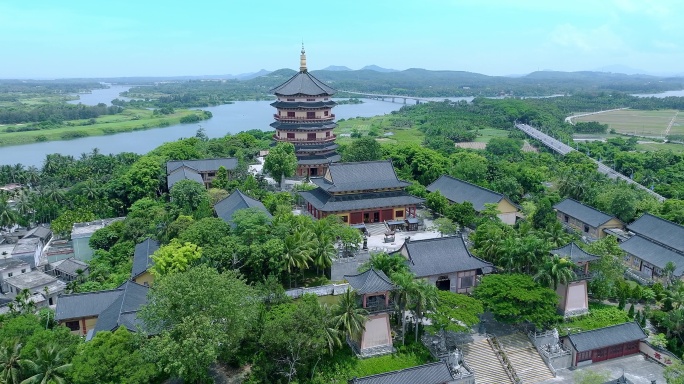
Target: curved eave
(303, 83)
(303, 127)
(303, 104)
(307, 149)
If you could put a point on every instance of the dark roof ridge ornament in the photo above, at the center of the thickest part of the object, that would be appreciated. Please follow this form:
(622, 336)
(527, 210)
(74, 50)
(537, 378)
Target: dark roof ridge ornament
(302, 60)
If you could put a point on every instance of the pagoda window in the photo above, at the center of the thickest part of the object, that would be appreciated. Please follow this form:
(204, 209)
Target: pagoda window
(327, 134)
(290, 114)
(278, 133)
(290, 99)
(326, 113)
(310, 99)
(290, 135)
(311, 136)
(311, 115)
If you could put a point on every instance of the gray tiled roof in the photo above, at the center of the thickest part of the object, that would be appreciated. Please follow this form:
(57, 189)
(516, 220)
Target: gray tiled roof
(303, 83)
(203, 165)
(310, 160)
(458, 191)
(11, 262)
(441, 256)
(71, 266)
(583, 213)
(123, 310)
(605, 337)
(38, 232)
(317, 147)
(659, 230)
(573, 252)
(142, 257)
(325, 202)
(431, 373)
(226, 208)
(304, 104)
(360, 176)
(88, 304)
(370, 281)
(183, 173)
(653, 253)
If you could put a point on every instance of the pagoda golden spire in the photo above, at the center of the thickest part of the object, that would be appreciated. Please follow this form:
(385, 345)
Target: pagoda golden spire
(302, 60)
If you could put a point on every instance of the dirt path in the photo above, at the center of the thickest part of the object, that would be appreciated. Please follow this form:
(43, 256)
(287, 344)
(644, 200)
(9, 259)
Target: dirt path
(669, 126)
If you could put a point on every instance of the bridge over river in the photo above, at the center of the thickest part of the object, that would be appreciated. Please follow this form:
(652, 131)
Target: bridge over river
(393, 97)
(564, 149)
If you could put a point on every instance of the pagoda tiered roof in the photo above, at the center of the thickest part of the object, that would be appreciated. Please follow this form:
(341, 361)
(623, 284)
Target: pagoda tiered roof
(360, 176)
(304, 126)
(303, 104)
(303, 83)
(371, 281)
(573, 252)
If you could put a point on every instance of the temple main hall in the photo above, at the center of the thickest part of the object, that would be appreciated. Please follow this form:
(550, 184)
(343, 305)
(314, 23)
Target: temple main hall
(304, 118)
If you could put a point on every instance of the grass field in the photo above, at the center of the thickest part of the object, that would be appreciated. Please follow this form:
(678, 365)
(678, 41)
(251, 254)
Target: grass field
(650, 147)
(490, 133)
(382, 125)
(128, 120)
(640, 123)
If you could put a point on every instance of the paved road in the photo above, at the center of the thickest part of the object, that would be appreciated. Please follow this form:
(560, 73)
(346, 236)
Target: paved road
(569, 118)
(564, 149)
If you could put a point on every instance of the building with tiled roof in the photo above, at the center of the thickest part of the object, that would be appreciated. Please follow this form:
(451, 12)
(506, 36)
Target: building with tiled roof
(226, 208)
(587, 221)
(304, 118)
(142, 262)
(605, 343)
(430, 373)
(573, 297)
(202, 171)
(445, 262)
(459, 191)
(361, 192)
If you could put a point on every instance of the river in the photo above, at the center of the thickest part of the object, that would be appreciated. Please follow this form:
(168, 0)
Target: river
(229, 118)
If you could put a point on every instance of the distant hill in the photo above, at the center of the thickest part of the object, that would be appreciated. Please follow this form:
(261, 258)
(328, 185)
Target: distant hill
(336, 68)
(622, 69)
(247, 76)
(375, 68)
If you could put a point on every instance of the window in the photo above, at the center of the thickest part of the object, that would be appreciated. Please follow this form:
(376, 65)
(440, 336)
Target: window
(310, 99)
(290, 99)
(566, 218)
(73, 325)
(466, 281)
(326, 113)
(290, 114)
(327, 134)
(311, 115)
(311, 136)
(23, 270)
(10, 274)
(345, 219)
(400, 214)
(582, 356)
(325, 99)
(290, 135)
(586, 229)
(636, 262)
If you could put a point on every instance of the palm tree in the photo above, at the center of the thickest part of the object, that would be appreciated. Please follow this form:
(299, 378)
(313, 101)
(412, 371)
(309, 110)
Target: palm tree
(49, 366)
(424, 299)
(323, 251)
(11, 364)
(331, 333)
(402, 296)
(7, 214)
(555, 270)
(296, 252)
(350, 319)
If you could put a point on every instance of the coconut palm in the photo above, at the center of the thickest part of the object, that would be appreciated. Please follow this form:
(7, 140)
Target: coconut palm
(554, 271)
(331, 333)
(11, 364)
(323, 251)
(49, 366)
(405, 284)
(297, 252)
(350, 319)
(7, 214)
(424, 299)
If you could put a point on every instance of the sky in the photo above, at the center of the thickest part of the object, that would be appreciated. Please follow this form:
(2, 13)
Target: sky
(70, 38)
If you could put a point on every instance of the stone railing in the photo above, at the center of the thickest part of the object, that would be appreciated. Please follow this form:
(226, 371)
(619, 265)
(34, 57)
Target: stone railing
(639, 278)
(324, 290)
(501, 355)
(550, 349)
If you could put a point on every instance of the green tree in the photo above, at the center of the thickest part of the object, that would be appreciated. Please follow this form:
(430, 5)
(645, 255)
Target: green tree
(175, 257)
(48, 366)
(516, 298)
(436, 202)
(191, 198)
(591, 377)
(462, 214)
(363, 149)
(281, 161)
(674, 374)
(144, 178)
(555, 271)
(11, 363)
(423, 300)
(221, 179)
(503, 146)
(389, 264)
(200, 315)
(544, 216)
(63, 223)
(112, 358)
(454, 313)
(444, 226)
(349, 318)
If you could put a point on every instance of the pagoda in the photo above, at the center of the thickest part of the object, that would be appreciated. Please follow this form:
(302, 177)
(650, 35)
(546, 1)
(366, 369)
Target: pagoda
(304, 118)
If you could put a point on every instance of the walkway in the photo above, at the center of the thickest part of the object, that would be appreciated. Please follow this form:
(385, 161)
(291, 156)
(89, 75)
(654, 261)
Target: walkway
(569, 118)
(637, 368)
(564, 149)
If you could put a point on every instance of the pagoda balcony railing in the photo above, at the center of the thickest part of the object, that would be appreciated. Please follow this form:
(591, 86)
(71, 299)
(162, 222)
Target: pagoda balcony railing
(376, 306)
(290, 119)
(317, 140)
(581, 275)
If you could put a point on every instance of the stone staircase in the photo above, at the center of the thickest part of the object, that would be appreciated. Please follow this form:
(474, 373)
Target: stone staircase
(525, 359)
(375, 229)
(481, 358)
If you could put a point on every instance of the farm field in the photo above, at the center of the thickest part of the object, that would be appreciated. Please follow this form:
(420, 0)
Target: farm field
(640, 123)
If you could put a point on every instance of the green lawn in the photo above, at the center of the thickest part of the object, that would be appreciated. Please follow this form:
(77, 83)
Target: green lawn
(128, 120)
(660, 147)
(637, 122)
(489, 133)
(600, 315)
(382, 126)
